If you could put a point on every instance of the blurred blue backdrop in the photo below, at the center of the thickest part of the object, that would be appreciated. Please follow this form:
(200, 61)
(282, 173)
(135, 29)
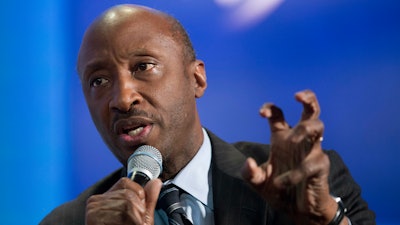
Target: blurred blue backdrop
(348, 52)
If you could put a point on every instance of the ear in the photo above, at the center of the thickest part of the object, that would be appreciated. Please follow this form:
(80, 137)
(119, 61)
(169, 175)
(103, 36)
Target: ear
(200, 78)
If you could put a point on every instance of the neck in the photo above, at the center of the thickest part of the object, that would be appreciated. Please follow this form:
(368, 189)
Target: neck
(173, 164)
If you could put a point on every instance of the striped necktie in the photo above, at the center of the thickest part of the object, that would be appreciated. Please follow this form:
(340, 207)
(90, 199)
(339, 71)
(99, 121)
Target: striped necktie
(169, 202)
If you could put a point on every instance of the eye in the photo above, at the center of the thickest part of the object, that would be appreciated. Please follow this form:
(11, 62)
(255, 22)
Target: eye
(141, 67)
(99, 82)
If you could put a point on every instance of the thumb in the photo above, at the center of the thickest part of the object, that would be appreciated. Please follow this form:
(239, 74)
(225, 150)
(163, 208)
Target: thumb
(253, 173)
(152, 190)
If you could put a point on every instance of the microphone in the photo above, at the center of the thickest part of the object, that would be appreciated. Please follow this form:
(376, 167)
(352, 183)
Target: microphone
(144, 164)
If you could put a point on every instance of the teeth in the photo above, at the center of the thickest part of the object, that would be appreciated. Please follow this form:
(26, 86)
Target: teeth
(135, 131)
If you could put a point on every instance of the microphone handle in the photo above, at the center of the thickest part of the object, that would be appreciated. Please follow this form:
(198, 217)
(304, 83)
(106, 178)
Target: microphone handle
(139, 177)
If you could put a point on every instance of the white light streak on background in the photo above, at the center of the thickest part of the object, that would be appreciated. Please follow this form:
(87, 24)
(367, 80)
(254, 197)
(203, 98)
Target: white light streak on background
(247, 13)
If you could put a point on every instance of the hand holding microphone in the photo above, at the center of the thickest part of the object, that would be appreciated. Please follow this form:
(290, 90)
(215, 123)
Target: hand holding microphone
(130, 202)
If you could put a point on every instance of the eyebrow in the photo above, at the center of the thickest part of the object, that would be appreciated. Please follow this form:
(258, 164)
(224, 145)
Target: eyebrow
(142, 52)
(94, 65)
(101, 63)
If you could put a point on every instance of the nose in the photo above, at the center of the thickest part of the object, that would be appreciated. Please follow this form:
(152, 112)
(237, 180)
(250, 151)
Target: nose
(125, 94)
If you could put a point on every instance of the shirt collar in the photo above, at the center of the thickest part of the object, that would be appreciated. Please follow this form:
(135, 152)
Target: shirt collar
(195, 178)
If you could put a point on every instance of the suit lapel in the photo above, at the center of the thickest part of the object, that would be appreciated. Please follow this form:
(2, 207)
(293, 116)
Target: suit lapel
(234, 201)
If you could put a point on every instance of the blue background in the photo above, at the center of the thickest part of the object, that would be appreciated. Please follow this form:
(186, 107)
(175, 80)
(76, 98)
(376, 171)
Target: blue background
(348, 52)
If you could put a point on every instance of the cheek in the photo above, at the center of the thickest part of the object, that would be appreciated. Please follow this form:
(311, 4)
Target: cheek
(175, 93)
(181, 102)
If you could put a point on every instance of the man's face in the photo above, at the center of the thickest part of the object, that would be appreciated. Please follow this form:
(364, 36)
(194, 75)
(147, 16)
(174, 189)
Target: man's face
(138, 87)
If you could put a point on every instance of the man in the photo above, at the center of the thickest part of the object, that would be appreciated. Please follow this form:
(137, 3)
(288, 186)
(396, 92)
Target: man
(140, 78)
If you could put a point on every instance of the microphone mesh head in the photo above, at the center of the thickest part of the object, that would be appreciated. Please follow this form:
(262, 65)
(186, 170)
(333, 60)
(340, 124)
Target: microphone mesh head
(146, 158)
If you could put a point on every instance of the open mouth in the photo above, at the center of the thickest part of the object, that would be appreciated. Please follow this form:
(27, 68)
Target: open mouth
(133, 132)
(133, 135)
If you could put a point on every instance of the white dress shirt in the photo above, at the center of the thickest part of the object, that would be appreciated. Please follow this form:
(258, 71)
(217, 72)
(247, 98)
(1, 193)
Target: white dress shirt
(195, 180)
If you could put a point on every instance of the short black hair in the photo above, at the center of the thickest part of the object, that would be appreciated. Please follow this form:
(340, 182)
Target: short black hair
(180, 34)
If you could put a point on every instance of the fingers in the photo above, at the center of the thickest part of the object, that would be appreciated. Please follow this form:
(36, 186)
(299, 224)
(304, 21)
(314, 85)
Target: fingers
(126, 183)
(275, 117)
(152, 190)
(297, 169)
(307, 132)
(311, 109)
(316, 165)
(126, 202)
(254, 174)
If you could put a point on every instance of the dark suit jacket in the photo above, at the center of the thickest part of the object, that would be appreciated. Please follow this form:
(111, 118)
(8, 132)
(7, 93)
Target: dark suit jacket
(234, 202)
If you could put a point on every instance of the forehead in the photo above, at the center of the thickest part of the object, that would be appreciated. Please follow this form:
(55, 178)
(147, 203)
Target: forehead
(140, 32)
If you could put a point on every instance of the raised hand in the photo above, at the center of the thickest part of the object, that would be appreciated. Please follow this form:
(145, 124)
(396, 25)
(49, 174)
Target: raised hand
(125, 203)
(295, 178)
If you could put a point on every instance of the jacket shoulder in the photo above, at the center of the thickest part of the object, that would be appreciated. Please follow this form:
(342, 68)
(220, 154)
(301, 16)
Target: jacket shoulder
(258, 151)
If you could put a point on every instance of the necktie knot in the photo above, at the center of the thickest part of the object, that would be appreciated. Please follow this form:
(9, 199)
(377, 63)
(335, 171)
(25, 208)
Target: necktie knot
(169, 201)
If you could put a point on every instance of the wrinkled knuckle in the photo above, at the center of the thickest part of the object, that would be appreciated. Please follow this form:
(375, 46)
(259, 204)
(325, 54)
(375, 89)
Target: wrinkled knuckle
(321, 127)
(92, 199)
(124, 181)
(325, 160)
(299, 131)
(127, 194)
(322, 163)
(91, 206)
(141, 193)
(308, 169)
(309, 129)
(319, 124)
